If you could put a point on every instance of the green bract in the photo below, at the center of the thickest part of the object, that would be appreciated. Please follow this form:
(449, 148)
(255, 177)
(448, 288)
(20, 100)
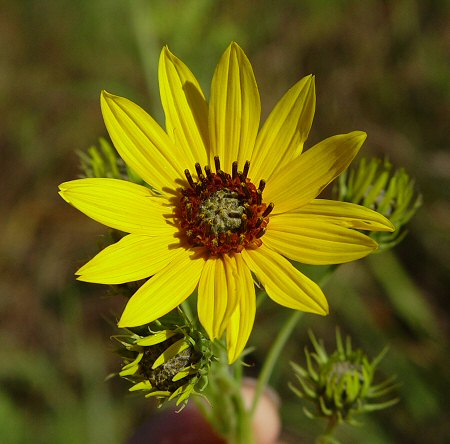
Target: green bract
(167, 359)
(375, 184)
(104, 161)
(340, 385)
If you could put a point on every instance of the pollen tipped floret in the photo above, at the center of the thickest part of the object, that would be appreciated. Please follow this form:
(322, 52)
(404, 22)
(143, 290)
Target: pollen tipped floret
(223, 212)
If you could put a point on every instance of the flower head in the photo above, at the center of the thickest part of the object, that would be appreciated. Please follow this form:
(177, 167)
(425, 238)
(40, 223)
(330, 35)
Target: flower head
(340, 385)
(226, 199)
(393, 193)
(166, 360)
(103, 161)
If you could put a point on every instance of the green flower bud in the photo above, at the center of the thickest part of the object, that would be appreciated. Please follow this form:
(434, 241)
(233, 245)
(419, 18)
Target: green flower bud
(167, 359)
(340, 385)
(375, 184)
(104, 161)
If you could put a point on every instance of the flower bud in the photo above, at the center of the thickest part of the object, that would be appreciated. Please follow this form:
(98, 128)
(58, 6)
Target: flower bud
(340, 385)
(104, 161)
(375, 184)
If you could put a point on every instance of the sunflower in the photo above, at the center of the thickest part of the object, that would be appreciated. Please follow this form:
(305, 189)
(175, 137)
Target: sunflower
(225, 199)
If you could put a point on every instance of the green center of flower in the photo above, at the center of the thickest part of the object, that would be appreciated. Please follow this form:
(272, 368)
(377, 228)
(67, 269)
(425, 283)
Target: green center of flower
(341, 369)
(223, 212)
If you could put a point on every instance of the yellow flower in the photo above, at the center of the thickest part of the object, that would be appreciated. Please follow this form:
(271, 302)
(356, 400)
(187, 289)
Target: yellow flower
(226, 200)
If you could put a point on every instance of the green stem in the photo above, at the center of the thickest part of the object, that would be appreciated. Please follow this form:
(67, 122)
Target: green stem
(229, 415)
(280, 342)
(331, 426)
(327, 437)
(244, 431)
(272, 357)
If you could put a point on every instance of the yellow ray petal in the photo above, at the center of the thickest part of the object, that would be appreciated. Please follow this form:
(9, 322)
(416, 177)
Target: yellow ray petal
(119, 204)
(165, 290)
(345, 214)
(316, 241)
(143, 144)
(235, 109)
(134, 257)
(217, 295)
(301, 181)
(283, 134)
(206, 303)
(241, 321)
(185, 108)
(283, 282)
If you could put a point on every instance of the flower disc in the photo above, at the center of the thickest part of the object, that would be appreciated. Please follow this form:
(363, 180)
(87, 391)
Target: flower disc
(223, 212)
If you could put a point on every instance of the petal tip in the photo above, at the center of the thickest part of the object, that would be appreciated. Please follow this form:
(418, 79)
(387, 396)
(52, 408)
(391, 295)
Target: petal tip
(324, 309)
(106, 98)
(232, 357)
(360, 135)
(126, 321)
(391, 227)
(374, 245)
(236, 49)
(63, 194)
(105, 94)
(81, 271)
(64, 186)
(165, 53)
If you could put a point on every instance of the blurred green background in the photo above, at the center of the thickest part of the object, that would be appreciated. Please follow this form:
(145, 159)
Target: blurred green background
(380, 66)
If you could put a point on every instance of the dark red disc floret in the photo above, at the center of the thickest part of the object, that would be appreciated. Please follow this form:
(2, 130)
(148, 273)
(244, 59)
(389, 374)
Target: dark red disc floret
(198, 229)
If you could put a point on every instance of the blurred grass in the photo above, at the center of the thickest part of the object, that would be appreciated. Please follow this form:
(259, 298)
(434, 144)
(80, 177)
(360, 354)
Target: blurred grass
(380, 66)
